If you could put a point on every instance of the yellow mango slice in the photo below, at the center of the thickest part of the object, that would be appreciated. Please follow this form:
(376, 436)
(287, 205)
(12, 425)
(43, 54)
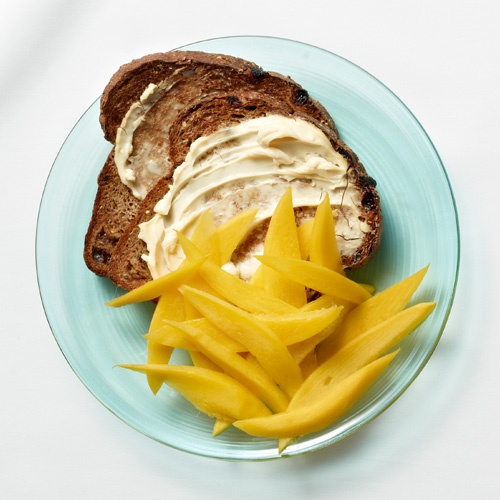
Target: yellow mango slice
(174, 337)
(242, 294)
(324, 249)
(301, 350)
(170, 305)
(220, 426)
(281, 241)
(260, 340)
(308, 364)
(304, 235)
(250, 375)
(171, 337)
(219, 242)
(371, 312)
(327, 301)
(203, 231)
(157, 353)
(230, 233)
(251, 359)
(233, 289)
(281, 237)
(320, 414)
(319, 303)
(302, 325)
(202, 361)
(369, 288)
(155, 288)
(304, 347)
(362, 350)
(213, 393)
(318, 278)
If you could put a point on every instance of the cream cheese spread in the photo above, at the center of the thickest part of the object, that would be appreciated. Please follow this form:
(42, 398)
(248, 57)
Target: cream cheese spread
(248, 165)
(136, 169)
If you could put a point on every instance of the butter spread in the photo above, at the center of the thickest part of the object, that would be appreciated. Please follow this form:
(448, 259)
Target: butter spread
(136, 169)
(251, 164)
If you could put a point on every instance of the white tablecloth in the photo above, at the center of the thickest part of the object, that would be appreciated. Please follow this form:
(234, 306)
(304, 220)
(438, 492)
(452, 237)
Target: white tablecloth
(441, 438)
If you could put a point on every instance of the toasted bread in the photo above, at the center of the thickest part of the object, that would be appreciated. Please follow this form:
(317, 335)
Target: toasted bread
(185, 77)
(128, 269)
(114, 208)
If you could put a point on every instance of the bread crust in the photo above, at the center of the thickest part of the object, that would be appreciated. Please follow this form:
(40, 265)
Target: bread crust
(113, 210)
(226, 73)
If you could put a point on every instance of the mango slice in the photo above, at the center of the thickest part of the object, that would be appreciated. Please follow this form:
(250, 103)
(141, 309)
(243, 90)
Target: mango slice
(307, 346)
(318, 278)
(213, 393)
(362, 350)
(230, 233)
(219, 242)
(290, 328)
(324, 249)
(171, 337)
(308, 364)
(320, 414)
(302, 349)
(281, 240)
(200, 360)
(220, 426)
(155, 288)
(203, 231)
(242, 294)
(302, 325)
(265, 360)
(248, 374)
(327, 301)
(371, 312)
(259, 340)
(170, 305)
(157, 354)
(304, 232)
(175, 337)
(233, 289)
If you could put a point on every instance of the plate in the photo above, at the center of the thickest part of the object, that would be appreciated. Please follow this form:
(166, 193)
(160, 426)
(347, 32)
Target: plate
(421, 227)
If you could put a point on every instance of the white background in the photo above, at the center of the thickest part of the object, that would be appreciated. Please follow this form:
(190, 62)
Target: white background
(440, 440)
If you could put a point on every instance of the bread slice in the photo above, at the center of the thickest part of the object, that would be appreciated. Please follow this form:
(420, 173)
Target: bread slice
(204, 116)
(114, 208)
(185, 76)
(221, 109)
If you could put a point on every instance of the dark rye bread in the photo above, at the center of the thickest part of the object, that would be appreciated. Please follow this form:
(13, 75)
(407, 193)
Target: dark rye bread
(128, 270)
(186, 76)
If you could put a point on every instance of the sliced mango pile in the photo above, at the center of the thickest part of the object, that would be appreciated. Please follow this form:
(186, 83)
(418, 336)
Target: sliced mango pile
(285, 354)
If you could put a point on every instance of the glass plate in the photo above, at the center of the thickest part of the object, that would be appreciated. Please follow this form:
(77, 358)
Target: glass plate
(421, 227)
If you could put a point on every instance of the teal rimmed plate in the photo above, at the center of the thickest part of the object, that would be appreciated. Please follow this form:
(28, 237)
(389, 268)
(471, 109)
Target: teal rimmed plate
(421, 227)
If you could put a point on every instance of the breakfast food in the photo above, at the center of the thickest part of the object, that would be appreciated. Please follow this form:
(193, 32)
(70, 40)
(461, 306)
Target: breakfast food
(192, 130)
(264, 359)
(231, 201)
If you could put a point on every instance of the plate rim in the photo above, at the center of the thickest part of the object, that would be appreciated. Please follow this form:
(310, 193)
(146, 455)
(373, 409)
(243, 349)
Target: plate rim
(291, 451)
